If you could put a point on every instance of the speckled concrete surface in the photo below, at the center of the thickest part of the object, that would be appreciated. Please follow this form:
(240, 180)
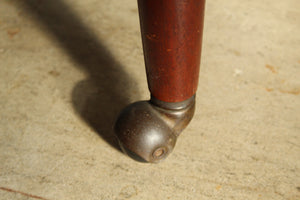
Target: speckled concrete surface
(67, 67)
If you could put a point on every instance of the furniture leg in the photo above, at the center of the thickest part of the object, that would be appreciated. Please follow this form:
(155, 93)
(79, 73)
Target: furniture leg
(172, 37)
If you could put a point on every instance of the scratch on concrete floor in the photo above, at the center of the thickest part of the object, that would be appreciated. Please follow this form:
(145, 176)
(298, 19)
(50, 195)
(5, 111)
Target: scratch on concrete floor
(22, 193)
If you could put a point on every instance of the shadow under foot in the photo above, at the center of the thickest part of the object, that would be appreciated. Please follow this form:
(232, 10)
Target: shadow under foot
(100, 98)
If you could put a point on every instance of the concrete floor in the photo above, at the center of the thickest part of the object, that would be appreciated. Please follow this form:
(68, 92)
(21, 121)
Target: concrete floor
(67, 67)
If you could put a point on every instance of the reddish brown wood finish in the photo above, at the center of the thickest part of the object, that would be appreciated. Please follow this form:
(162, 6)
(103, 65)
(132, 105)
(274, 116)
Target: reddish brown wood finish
(172, 37)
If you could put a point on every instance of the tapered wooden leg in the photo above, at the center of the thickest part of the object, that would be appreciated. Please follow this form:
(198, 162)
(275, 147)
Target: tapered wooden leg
(172, 36)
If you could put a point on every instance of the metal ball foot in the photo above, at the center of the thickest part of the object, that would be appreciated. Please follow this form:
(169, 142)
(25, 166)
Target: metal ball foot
(147, 130)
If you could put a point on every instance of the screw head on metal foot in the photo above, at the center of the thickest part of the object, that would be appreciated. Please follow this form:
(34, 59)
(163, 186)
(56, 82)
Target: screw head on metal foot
(147, 130)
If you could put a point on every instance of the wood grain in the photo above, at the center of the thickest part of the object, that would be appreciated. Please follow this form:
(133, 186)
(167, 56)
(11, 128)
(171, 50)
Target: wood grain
(172, 36)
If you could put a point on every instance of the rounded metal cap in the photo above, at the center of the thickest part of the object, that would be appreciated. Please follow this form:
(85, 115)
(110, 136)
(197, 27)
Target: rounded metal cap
(142, 134)
(147, 130)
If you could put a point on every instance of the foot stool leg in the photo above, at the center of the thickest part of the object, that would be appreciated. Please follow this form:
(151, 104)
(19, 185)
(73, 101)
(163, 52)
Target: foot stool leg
(172, 37)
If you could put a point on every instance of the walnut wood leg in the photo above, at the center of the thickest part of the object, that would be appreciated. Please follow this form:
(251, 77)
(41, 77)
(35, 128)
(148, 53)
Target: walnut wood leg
(172, 36)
